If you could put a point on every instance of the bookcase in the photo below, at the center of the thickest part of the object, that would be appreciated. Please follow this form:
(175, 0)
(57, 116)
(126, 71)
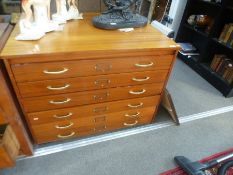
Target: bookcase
(207, 43)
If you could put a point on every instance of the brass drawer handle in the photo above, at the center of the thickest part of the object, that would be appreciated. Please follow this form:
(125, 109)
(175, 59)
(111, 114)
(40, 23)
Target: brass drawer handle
(64, 127)
(59, 102)
(132, 115)
(63, 116)
(135, 106)
(66, 136)
(141, 79)
(144, 65)
(131, 124)
(56, 72)
(58, 88)
(102, 82)
(137, 92)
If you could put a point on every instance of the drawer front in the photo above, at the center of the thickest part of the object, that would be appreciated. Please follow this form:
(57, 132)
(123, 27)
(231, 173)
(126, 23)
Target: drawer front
(102, 123)
(91, 110)
(50, 87)
(56, 70)
(63, 134)
(89, 97)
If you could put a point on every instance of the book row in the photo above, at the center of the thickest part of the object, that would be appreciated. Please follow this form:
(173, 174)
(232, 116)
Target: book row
(223, 66)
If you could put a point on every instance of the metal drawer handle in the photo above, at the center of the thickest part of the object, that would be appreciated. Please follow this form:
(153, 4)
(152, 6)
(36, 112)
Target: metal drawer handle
(66, 136)
(131, 124)
(135, 106)
(63, 116)
(64, 127)
(141, 79)
(56, 72)
(144, 65)
(59, 102)
(137, 92)
(58, 88)
(132, 115)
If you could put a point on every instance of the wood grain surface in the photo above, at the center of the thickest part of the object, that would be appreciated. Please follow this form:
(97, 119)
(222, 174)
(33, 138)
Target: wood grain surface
(91, 110)
(81, 36)
(59, 86)
(43, 103)
(86, 126)
(9, 110)
(82, 74)
(44, 71)
(9, 146)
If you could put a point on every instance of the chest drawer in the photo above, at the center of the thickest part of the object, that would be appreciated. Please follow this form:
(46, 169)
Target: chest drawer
(77, 128)
(91, 110)
(90, 97)
(56, 70)
(59, 86)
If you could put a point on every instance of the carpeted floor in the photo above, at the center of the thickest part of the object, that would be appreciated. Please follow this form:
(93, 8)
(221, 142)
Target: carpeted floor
(192, 94)
(149, 152)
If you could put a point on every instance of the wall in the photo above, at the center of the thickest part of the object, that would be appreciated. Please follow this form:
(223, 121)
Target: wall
(84, 6)
(176, 12)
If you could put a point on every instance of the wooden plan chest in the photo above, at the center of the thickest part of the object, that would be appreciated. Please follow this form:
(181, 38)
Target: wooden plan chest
(84, 81)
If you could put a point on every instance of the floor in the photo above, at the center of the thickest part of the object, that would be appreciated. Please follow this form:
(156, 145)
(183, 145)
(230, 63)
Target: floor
(150, 152)
(138, 154)
(192, 94)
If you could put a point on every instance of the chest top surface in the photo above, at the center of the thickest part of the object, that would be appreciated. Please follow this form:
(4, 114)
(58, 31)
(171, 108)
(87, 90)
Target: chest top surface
(82, 36)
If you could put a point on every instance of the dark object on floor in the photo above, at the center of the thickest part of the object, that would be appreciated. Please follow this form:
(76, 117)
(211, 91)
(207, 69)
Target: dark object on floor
(211, 171)
(167, 103)
(197, 168)
(120, 15)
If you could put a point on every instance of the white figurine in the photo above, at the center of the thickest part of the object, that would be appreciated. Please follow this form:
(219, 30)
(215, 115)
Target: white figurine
(63, 14)
(34, 29)
(73, 10)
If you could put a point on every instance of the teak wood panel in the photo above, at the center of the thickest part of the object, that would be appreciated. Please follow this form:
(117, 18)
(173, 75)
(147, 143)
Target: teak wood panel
(36, 104)
(12, 114)
(9, 146)
(82, 36)
(59, 86)
(6, 161)
(2, 118)
(94, 120)
(66, 134)
(91, 110)
(107, 122)
(55, 70)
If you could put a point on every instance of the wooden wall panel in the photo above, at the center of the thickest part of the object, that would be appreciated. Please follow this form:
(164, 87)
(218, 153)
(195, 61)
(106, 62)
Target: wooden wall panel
(11, 113)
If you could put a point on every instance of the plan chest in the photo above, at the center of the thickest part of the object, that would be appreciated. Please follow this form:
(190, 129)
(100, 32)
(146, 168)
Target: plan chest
(85, 81)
